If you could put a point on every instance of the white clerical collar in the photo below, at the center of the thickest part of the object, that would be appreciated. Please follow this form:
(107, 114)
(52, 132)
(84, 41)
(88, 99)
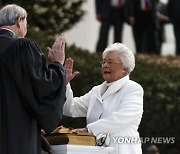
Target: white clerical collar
(8, 30)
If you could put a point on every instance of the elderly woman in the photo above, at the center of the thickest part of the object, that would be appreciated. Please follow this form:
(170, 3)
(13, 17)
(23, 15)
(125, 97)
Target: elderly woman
(115, 106)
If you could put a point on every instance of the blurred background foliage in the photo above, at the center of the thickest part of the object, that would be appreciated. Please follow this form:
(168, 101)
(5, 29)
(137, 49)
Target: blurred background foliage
(161, 83)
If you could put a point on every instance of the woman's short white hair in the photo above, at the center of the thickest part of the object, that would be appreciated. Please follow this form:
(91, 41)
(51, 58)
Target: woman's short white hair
(10, 13)
(125, 54)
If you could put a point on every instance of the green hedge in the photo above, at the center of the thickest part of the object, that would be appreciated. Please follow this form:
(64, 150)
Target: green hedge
(161, 102)
(161, 85)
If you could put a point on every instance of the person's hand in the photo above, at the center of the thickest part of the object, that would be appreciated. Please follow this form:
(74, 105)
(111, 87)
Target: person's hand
(161, 17)
(131, 20)
(69, 70)
(81, 130)
(98, 17)
(56, 53)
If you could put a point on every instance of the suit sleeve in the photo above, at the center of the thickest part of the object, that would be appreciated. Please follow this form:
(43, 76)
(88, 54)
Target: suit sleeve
(41, 86)
(129, 113)
(170, 9)
(98, 6)
(129, 8)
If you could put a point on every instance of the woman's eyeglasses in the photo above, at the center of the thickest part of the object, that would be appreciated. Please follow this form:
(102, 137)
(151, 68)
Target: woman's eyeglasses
(110, 63)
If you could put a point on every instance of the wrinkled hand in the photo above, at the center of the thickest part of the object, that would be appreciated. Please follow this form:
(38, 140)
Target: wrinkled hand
(81, 130)
(69, 70)
(56, 53)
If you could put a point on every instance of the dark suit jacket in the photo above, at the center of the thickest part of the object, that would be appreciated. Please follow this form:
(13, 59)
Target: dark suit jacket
(32, 95)
(133, 8)
(103, 7)
(173, 10)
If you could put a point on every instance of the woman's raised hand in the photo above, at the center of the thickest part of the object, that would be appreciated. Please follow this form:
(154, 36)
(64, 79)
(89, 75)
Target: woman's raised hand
(69, 70)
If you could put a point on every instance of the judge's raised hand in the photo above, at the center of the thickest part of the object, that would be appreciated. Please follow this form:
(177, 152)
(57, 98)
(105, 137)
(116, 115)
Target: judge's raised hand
(69, 70)
(56, 53)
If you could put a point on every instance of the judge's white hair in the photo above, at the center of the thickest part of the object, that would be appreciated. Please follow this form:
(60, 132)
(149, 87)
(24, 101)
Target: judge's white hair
(125, 54)
(10, 13)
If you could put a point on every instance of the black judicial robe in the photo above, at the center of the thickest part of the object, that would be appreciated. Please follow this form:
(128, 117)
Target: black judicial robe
(32, 95)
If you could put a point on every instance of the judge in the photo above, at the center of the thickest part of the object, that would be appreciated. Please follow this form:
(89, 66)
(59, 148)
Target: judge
(32, 93)
(114, 107)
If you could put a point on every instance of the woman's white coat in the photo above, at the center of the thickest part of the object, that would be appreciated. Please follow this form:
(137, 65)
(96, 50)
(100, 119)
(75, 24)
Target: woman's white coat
(116, 111)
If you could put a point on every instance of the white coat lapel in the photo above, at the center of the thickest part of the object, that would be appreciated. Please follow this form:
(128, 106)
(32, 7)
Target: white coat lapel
(95, 113)
(115, 86)
(97, 108)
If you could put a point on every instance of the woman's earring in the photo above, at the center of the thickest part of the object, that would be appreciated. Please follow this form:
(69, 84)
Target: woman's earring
(123, 73)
